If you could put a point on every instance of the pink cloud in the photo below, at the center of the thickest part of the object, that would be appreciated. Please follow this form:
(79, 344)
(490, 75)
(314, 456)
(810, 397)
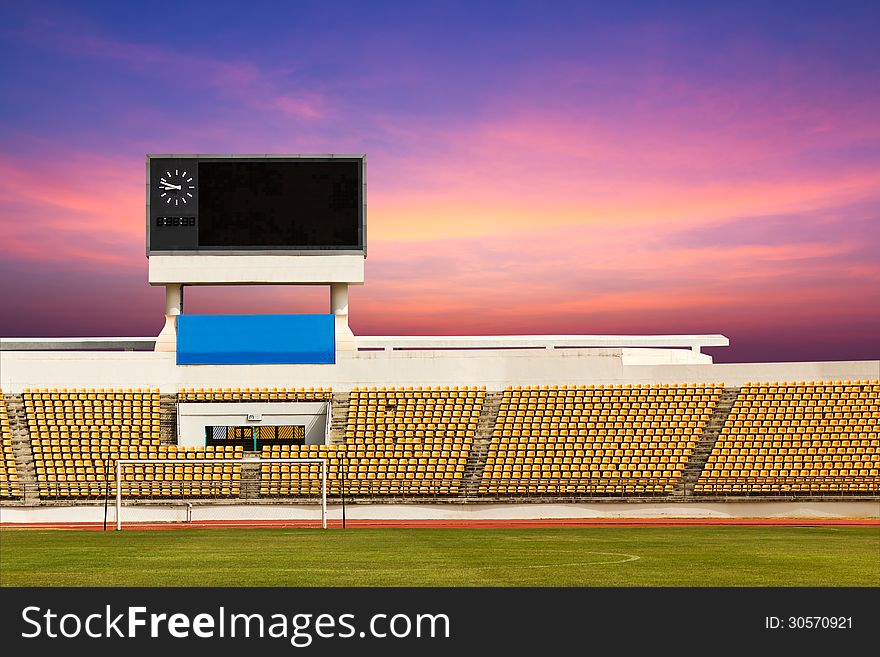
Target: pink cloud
(84, 209)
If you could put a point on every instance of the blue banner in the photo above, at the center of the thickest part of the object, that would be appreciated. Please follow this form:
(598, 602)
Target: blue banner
(256, 339)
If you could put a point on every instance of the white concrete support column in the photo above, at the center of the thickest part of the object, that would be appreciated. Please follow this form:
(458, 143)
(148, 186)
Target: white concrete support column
(167, 340)
(339, 307)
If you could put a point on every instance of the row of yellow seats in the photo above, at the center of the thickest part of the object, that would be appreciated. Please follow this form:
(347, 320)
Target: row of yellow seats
(586, 490)
(830, 453)
(795, 458)
(67, 437)
(389, 442)
(786, 384)
(629, 433)
(577, 471)
(783, 440)
(585, 428)
(864, 485)
(410, 418)
(35, 391)
(531, 417)
(372, 478)
(794, 399)
(409, 438)
(446, 454)
(367, 437)
(425, 399)
(803, 476)
(143, 445)
(587, 459)
(806, 422)
(255, 394)
(784, 435)
(854, 425)
(335, 463)
(672, 466)
(843, 471)
(819, 448)
(410, 435)
(606, 401)
(335, 469)
(84, 401)
(673, 435)
(421, 422)
(617, 441)
(454, 446)
(378, 475)
(361, 489)
(51, 440)
(92, 446)
(65, 490)
(865, 489)
(571, 423)
(661, 481)
(416, 390)
(559, 483)
(410, 413)
(597, 409)
(550, 448)
(364, 472)
(70, 475)
(616, 386)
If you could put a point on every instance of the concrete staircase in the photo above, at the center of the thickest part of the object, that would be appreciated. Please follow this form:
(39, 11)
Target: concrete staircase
(473, 469)
(338, 417)
(707, 442)
(21, 447)
(168, 419)
(250, 479)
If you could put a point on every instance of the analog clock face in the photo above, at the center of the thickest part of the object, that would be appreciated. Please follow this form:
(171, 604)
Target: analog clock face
(176, 187)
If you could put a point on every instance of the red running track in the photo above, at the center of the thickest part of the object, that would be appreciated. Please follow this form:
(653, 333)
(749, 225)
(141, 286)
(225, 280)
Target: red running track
(473, 523)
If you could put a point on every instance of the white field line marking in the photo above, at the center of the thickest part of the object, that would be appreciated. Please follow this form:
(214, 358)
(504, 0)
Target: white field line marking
(337, 569)
(830, 529)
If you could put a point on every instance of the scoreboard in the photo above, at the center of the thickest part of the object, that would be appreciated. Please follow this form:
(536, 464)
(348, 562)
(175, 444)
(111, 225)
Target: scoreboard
(284, 204)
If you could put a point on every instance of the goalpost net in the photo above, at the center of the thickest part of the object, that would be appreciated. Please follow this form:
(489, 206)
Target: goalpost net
(221, 491)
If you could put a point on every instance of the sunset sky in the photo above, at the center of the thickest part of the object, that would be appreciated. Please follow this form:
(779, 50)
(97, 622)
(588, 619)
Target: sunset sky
(580, 168)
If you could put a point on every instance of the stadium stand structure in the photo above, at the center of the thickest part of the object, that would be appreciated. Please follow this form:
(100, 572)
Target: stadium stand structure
(798, 438)
(77, 436)
(8, 472)
(596, 440)
(398, 441)
(527, 443)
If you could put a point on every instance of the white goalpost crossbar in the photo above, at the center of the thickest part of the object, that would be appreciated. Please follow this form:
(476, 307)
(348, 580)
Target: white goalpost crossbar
(121, 463)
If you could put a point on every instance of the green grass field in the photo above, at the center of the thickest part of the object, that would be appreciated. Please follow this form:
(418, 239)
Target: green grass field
(650, 556)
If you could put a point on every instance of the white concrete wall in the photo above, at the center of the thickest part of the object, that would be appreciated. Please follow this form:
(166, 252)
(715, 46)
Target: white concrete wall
(635, 510)
(193, 417)
(495, 369)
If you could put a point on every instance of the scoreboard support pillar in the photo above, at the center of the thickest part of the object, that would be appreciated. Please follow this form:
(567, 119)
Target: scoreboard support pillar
(339, 307)
(167, 340)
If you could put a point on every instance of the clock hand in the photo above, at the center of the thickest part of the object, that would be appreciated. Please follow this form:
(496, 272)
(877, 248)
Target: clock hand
(170, 186)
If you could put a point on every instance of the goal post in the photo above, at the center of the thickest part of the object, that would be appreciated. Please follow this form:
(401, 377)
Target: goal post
(231, 485)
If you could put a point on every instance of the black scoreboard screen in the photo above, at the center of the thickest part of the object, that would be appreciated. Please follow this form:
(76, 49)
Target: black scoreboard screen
(222, 204)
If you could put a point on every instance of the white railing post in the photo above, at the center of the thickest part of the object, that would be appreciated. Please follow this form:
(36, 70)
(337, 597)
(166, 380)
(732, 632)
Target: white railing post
(324, 494)
(118, 495)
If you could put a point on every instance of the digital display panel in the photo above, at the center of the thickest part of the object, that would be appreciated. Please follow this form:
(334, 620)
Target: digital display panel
(222, 204)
